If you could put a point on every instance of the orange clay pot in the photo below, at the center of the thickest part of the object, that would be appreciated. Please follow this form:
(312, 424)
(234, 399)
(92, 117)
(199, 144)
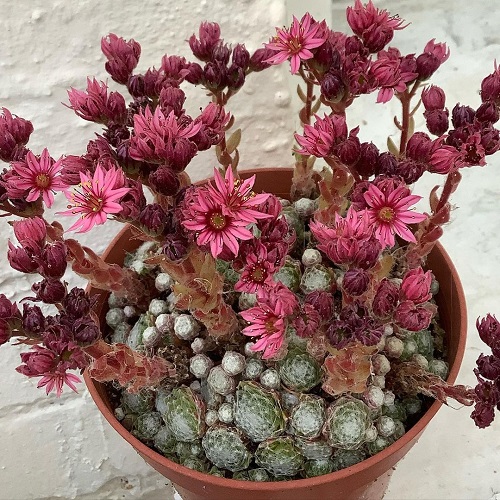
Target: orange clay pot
(366, 480)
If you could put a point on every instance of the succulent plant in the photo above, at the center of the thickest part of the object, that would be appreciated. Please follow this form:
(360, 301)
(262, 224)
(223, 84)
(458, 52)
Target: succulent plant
(134, 339)
(164, 441)
(184, 414)
(257, 412)
(220, 382)
(259, 475)
(346, 424)
(195, 463)
(378, 445)
(313, 468)
(279, 456)
(308, 417)
(225, 448)
(289, 275)
(317, 449)
(425, 343)
(299, 371)
(347, 458)
(147, 425)
(139, 402)
(317, 278)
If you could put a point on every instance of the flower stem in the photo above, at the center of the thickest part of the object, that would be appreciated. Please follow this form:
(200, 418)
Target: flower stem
(405, 99)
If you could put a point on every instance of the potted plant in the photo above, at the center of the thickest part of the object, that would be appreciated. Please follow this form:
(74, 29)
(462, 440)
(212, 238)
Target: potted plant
(299, 326)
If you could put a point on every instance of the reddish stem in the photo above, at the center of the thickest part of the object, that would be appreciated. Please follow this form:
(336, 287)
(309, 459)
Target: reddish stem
(405, 99)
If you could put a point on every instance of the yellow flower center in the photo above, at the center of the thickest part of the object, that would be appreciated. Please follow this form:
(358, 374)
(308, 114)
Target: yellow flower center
(217, 221)
(386, 214)
(42, 181)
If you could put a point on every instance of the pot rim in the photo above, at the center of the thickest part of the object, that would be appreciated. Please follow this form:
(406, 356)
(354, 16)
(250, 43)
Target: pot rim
(368, 463)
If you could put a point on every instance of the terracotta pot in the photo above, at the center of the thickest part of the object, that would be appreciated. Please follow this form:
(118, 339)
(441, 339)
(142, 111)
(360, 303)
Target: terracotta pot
(368, 479)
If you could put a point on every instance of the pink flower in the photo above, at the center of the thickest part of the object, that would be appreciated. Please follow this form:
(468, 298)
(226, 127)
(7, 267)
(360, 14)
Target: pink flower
(96, 197)
(390, 74)
(156, 136)
(96, 105)
(375, 27)
(388, 212)
(269, 325)
(220, 213)
(295, 43)
(40, 176)
(320, 138)
(56, 381)
(258, 271)
(416, 286)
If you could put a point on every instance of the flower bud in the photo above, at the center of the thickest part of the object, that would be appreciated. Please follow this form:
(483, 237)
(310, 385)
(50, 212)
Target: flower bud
(195, 73)
(50, 291)
(214, 76)
(54, 260)
(153, 218)
(33, 319)
(488, 366)
(76, 303)
(387, 164)
(122, 56)
(14, 134)
(355, 281)
(241, 56)
(236, 77)
(172, 99)
(183, 152)
(259, 58)
(412, 317)
(174, 246)
(386, 298)
(164, 180)
(487, 112)
(333, 87)
(437, 121)
(462, 115)
(416, 286)
(433, 97)
(85, 331)
(323, 303)
(433, 56)
(209, 36)
(21, 260)
(30, 230)
(411, 170)
(490, 87)
(419, 147)
(37, 362)
(367, 163)
(489, 331)
(349, 151)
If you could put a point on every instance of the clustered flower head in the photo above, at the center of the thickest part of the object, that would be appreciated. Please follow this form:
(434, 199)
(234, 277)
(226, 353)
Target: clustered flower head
(336, 271)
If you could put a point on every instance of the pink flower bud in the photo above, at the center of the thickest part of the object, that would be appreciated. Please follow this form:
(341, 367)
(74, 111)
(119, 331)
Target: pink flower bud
(209, 35)
(259, 58)
(37, 362)
(416, 286)
(349, 150)
(433, 97)
(490, 87)
(29, 231)
(172, 99)
(443, 160)
(122, 56)
(332, 86)
(355, 282)
(433, 56)
(419, 147)
(21, 260)
(487, 112)
(33, 319)
(489, 330)
(412, 317)
(323, 303)
(14, 134)
(194, 73)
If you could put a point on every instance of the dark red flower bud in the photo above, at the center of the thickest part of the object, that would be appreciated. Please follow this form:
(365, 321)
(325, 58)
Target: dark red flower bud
(411, 170)
(33, 319)
(116, 133)
(353, 45)
(175, 246)
(332, 86)
(235, 77)
(355, 282)
(368, 160)
(194, 73)
(490, 140)
(85, 331)
(437, 121)
(241, 56)
(490, 87)
(164, 180)
(209, 36)
(488, 366)
(53, 260)
(323, 303)
(183, 152)
(5, 333)
(221, 53)
(76, 303)
(433, 97)
(14, 134)
(387, 164)
(483, 414)
(8, 309)
(71, 168)
(489, 330)
(214, 76)
(368, 253)
(427, 64)
(326, 58)
(122, 56)
(259, 58)
(50, 291)
(462, 115)
(349, 150)
(136, 86)
(487, 112)
(419, 147)
(386, 299)
(412, 317)
(133, 202)
(153, 218)
(21, 259)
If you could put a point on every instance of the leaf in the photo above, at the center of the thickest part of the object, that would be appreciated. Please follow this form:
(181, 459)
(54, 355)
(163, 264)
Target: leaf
(411, 126)
(301, 94)
(234, 141)
(230, 123)
(391, 146)
(316, 106)
(236, 160)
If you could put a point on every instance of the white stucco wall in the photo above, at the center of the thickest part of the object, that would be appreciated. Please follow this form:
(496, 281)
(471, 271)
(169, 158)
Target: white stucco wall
(62, 448)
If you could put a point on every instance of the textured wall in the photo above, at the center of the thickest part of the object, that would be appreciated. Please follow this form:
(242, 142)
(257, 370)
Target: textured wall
(62, 448)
